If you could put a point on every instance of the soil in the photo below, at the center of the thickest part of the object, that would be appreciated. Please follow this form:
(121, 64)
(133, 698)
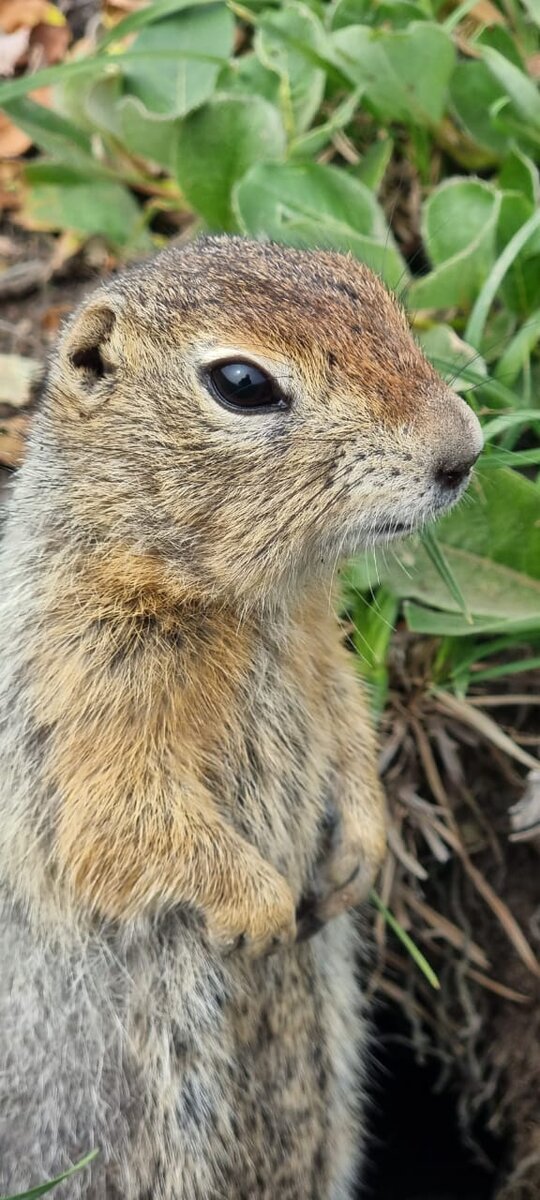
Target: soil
(456, 1073)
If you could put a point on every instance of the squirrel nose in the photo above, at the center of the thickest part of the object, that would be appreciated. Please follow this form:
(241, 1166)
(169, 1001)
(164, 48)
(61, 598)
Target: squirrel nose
(450, 473)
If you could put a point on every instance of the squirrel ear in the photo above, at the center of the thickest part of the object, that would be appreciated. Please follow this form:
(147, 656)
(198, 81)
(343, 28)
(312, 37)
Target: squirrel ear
(88, 355)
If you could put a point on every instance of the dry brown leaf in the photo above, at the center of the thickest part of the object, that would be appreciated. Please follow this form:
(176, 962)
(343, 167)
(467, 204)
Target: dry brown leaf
(486, 727)
(500, 989)
(485, 13)
(17, 375)
(48, 43)
(13, 141)
(16, 14)
(446, 929)
(406, 859)
(533, 66)
(13, 430)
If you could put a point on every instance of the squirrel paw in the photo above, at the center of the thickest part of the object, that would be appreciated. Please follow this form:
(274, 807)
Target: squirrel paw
(343, 877)
(262, 920)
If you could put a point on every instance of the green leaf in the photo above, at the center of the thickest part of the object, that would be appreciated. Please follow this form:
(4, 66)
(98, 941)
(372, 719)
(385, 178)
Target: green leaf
(473, 92)
(518, 350)
(405, 73)
(217, 144)
(313, 205)
(281, 42)
(520, 174)
(492, 546)
(442, 565)
(350, 12)
(373, 628)
(247, 74)
(51, 131)
(93, 66)
(435, 623)
(372, 168)
(455, 359)
(407, 941)
(516, 85)
(313, 142)
(459, 225)
(180, 84)
(59, 197)
(478, 317)
(156, 11)
(520, 288)
(508, 420)
(43, 1188)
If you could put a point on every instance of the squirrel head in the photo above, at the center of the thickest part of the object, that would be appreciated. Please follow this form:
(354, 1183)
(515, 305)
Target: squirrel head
(245, 413)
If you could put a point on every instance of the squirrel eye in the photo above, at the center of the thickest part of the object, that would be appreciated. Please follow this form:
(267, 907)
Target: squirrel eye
(243, 386)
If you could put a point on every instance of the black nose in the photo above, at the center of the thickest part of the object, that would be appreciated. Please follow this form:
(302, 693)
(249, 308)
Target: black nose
(450, 473)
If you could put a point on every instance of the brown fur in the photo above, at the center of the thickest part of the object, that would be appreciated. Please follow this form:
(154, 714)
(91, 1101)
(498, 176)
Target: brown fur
(190, 761)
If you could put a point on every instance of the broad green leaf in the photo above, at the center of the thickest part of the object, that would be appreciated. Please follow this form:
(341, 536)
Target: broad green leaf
(436, 623)
(313, 205)
(498, 503)
(350, 12)
(93, 66)
(179, 84)
(405, 72)
(246, 74)
(281, 42)
(473, 91)
(533, 7)
(521, 90)
(158, 10)
(492, 592)
(459, 225)
(311, 143)
(520, 174)
(144, 133)
(217, 144)
(372, 168)
(502, 40)
(497, 572)
(126, 120)
(61, 198)
(457, 362)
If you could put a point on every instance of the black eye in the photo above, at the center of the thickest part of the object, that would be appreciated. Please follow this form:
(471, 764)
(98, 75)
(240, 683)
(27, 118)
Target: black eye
(241, 385)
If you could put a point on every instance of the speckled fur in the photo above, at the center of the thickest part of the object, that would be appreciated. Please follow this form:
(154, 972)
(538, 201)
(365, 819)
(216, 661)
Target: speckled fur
(188, 766)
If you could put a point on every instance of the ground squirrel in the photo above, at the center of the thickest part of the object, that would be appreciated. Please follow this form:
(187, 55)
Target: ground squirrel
(188, 766)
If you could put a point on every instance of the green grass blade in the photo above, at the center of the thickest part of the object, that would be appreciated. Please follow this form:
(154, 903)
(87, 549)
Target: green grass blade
(403, 936)
(511, 458)
(441, 564)
(509, 668)
(95, 64)
(520, 416)
(477, 320)
(42, 1188)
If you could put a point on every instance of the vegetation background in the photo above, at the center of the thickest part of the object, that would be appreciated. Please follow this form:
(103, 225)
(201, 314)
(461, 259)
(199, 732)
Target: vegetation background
(406, 132)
